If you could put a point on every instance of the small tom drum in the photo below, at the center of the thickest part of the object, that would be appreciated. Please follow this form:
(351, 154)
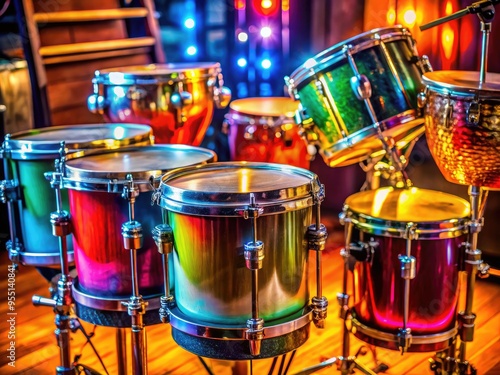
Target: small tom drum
(208, 209)
(96, 182)
(461, 126)
(359, 91)
(176, 99)
(406, 236)
(264, 130)
(31, 154)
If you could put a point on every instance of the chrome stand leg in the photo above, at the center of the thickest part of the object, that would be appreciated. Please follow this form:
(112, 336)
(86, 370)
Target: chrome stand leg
(61, 227)
(136, 306)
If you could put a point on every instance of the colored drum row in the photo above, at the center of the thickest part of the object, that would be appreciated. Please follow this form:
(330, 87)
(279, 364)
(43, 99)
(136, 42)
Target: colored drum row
(233, 220)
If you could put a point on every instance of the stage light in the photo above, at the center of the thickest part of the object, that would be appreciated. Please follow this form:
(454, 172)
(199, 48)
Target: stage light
(391, 16)
(266, 64)
(266, 7)
(410, 17)
(189, 23)
(242, 62)
(265, 32)
(191, 50)
(242, 36)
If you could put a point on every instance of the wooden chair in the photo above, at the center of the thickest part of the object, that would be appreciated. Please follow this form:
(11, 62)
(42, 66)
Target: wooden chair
(65, 42)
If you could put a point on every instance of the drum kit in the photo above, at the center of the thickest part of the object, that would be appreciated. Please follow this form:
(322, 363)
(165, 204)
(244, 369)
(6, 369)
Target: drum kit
(220, 250)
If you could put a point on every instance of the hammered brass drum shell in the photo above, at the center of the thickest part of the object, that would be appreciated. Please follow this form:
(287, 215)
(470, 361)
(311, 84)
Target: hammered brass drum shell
(462, 126)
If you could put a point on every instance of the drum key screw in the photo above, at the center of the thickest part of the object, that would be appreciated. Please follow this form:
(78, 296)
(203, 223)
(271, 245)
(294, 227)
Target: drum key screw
(255, 334)
(61, 224)
(408, 266)
(466, 326)
(474, 113)
(362, 251)
(8, 190)
(132, 235)
(316, 237)
(343, 300)
(163, 235)
(254, 255)
(320, 311)
(404, 339)
(422, 98)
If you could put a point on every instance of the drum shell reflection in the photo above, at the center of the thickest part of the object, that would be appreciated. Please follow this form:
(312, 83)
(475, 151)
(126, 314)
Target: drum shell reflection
(434, 225)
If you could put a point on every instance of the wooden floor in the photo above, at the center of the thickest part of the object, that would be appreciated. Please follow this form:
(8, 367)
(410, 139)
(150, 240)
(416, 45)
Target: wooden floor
(36, 350)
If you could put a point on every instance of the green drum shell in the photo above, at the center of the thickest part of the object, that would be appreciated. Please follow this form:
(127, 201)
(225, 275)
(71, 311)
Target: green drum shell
(32, 153)
(335, 119)
(212, 281)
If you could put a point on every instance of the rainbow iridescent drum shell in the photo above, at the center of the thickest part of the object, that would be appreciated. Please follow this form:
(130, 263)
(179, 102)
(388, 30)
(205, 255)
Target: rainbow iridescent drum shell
(33, 153)
(357, 92)
(387, 218)
(264, 130)
(95, 183)
(177, 100)
(213, 287)
(462, 126)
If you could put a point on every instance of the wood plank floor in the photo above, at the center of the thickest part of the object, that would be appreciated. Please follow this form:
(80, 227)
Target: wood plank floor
(36, 350)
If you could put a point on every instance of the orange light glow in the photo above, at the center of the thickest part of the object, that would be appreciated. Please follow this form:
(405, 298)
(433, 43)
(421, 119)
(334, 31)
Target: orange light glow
(447, 40)
(449, 8)
(285, 5)
(239, 4)
(391, 16)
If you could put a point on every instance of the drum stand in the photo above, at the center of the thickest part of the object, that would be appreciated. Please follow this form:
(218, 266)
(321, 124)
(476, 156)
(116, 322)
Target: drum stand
(62, 301)
(136, 306)
(9, 193)
(445, 362)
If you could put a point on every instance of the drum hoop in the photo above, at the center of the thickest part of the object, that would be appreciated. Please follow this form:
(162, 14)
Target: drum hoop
(180, 321)
(270, 121)
(43, 259)
(450, 228)
(416, 339)
(233, 204)
(362, 134)
(19, 149)
(109, 303)
(463, 93)
(113, 182)
(333, 55)
(147, 77)
(488, 91)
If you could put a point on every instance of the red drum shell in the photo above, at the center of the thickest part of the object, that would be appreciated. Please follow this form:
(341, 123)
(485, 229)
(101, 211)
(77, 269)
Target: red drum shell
(264, 130)
(387, 218)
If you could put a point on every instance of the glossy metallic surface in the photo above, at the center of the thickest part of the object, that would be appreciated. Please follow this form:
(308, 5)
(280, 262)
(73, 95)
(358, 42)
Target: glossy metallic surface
(107, 170)
(464, 145)
(335, 119)
(264, 130)
(388, 212)
(102, 263)
(226, 341)
(45, 143)
(177, 100)
(204, 208)
(439, 222)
